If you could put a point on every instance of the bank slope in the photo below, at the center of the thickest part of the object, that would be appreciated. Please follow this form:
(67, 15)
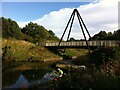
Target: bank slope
(20, 50)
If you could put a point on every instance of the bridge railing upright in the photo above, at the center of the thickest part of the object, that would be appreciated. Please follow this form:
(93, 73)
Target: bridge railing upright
(83, 43)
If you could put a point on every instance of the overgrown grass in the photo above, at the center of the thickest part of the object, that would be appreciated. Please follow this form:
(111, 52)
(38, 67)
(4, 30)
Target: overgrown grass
(76, 52)
(19, 50)
(87, 79)
(93, 78)
(99, 56)
(102, 71)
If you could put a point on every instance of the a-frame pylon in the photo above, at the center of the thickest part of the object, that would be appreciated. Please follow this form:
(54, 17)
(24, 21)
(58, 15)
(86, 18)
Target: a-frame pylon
(82, 25)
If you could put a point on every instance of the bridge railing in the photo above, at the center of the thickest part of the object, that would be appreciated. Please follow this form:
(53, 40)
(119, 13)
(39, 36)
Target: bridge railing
(83, 43)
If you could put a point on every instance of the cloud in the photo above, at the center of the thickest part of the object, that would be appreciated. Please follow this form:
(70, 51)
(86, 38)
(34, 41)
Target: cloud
(99, 15)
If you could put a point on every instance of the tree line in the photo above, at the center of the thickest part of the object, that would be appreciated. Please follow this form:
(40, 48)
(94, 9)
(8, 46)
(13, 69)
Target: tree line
(32, 32)
(35, 33)
(102, 35)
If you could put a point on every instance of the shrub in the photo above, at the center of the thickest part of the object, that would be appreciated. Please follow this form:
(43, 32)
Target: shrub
(103, 55)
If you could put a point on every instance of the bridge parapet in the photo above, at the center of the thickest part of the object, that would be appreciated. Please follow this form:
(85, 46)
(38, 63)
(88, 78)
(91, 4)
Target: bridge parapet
(83, 43)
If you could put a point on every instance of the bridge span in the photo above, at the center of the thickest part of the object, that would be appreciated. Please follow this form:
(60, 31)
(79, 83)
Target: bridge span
(98, 43)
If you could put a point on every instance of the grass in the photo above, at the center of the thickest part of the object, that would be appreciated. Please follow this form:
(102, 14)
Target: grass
(90, 78)
(76, 52)
(96, 75)
(19, 50)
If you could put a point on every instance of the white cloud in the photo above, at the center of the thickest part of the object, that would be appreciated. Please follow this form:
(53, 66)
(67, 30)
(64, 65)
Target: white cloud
(99, 15)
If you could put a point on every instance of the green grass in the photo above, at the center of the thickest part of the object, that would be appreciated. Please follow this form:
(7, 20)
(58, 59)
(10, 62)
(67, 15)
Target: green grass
(20, 50)
(76, 52)
(93, 78)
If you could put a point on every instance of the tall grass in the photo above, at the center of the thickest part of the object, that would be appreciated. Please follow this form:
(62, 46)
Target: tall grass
(101, 71)
(19, 50)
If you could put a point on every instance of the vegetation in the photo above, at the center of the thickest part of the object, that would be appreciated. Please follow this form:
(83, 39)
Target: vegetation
(102, 35)
(10, 29)
(102, 65)
(32, 32)
(88, 79)
(102, 71)
(21, 44)
(99, 56)
(19, 50)
(39, 33)
(76, 52)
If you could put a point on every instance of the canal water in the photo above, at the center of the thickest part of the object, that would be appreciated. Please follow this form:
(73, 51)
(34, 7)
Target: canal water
(26, 73)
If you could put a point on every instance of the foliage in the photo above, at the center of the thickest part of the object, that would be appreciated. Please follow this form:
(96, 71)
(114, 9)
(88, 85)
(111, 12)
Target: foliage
(82, 60)
(51, 32)
(106, 76)
(99, 56)
(76, 52)
(39, 33)
(116, 35)
(10, 29)
(103, 55)
(87, 79)
(102, 35)
(19, 50)
(72, 39)
(32, 32)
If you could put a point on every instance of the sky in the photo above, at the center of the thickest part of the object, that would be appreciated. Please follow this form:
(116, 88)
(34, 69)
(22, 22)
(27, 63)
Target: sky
(97, 15)
(28, 11)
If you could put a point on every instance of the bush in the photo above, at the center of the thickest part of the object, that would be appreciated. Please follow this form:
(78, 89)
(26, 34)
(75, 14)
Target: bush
(82, 60)
(103, 55)
(87, 79)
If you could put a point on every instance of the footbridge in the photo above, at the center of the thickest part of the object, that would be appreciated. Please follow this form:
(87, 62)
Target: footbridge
(86, 43)
(75, 44)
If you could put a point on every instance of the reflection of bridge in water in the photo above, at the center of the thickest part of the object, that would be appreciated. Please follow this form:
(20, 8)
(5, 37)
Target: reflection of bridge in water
(75, 44)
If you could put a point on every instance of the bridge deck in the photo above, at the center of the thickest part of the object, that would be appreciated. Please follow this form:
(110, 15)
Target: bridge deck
(82, 43)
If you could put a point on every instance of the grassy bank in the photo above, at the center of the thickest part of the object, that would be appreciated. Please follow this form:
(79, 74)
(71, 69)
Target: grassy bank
(76, 52)
(19, 50)
(15, 53)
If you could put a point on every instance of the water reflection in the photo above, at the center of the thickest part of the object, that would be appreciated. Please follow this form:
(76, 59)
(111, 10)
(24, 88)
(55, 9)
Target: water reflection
(20, 83)
(13, 78)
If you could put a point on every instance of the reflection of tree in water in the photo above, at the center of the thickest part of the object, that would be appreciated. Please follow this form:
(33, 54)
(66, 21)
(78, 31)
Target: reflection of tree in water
(20, 83)
(10, 77)
(34, 74)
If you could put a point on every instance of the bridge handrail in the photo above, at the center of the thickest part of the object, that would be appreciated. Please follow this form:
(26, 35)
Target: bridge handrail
(83, 43)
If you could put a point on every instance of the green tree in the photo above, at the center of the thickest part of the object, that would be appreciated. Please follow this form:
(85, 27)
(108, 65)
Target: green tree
(51, 32)
(100, 36)
(109, 36)
(10, 29)
(72, 39)
(116, 35)
(38, 33)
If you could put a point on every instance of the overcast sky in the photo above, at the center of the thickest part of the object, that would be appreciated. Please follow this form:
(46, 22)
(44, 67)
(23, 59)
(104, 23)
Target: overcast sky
(97, 15)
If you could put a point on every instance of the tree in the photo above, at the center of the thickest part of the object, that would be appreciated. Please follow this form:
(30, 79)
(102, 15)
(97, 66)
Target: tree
(31, 32)
(100, 36)
(10, 29)
(116, 35)
(72, 39)
(51, 32)
(38, 33)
